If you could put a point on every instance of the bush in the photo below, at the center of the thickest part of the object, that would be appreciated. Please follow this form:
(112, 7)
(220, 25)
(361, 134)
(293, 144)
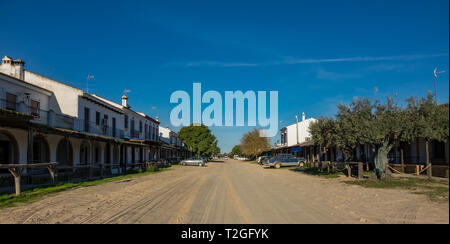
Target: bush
(153, 168)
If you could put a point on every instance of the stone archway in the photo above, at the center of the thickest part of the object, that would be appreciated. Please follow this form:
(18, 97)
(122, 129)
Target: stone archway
(97, 156)
(41, 150)
(41, 154)
(107, 154)
(85, 153)
(64, 152)
(116, 154)
(9, 150)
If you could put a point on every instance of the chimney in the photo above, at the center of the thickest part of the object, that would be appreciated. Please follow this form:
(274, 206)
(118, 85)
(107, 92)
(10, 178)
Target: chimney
(12, 67)
(125, 101)
(303, 116)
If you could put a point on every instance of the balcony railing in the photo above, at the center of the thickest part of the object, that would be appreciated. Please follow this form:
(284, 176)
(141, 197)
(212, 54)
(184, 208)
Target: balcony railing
(39, 115)
(9, 105)
(99, 129)
(71, 123)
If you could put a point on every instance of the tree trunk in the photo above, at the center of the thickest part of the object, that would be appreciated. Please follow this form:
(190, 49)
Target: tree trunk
(402, 159)
(427, 151)
(381, 160)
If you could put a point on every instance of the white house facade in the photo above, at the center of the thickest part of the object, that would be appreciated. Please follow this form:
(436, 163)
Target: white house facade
(43, 120)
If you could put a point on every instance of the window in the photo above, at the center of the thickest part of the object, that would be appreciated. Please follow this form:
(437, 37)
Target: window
(97, 118)
(105, 124)
(132, 128)
(140, 126)
(86, 119)
(34, 108)
(11, 100)
(126, 122)
(114, 127)
(105, 120)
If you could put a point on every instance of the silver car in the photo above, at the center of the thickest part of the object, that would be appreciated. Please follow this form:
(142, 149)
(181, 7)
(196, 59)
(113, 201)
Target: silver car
(194, 161)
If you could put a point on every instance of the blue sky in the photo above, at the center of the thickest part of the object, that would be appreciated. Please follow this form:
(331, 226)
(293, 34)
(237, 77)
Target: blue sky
(315, 53)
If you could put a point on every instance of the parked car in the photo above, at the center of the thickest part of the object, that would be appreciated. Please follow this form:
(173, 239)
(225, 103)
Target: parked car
(284, 160)
(194, 161)
(261, 159)
(226, 158)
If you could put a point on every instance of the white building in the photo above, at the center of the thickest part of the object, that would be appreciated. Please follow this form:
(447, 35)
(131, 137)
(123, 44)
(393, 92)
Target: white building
(44, 120)
(172, 146)
(296, 133)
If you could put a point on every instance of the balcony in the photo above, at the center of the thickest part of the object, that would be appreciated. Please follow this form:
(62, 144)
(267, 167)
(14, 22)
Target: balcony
(72, 123)
(37, 114)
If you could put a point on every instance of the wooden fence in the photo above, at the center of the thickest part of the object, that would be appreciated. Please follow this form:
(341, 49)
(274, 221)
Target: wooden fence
(74, 172)
(357, 168)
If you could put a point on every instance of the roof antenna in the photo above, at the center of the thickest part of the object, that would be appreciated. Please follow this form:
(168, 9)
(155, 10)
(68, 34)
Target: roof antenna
(435, 75)
(87, 82)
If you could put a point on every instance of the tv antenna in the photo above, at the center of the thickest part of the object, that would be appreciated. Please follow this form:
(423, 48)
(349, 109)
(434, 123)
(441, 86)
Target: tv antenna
(435, 75)
(87, 82)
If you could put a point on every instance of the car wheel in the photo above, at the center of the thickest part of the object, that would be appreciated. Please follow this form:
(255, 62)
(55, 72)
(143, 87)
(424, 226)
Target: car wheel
(184, 164)
(277, 165)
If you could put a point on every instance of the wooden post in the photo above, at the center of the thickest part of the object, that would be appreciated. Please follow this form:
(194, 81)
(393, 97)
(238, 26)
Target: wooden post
(366, 152)
(349, 170)
(417, 169)
(52, 170)
(402, 159)
(91, 159)
(418, 150)
(395, 153)
(17, 173)
(29, 154)
(386, 172)
(427, 152)
(101, 170)
(360, 170)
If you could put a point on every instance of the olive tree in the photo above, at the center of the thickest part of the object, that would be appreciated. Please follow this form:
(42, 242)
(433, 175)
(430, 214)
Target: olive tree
(382, 125)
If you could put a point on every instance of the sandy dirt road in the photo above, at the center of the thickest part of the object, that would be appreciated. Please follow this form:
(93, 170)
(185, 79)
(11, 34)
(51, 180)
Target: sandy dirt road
(229, 192)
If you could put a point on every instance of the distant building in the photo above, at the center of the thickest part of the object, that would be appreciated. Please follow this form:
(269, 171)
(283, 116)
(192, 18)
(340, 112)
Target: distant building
(171, 143)
(294, 138)
(294, 134)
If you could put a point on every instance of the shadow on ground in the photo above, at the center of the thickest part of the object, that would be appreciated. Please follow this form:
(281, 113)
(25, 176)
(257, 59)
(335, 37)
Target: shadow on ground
(317, 172)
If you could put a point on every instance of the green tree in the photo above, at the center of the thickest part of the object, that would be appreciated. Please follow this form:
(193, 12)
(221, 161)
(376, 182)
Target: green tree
(200, 140)
(381, 125)
(235, 151)
(252, 144)
(431, 122)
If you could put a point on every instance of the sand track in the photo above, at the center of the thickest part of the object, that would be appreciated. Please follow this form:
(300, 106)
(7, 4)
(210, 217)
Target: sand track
(229, 192)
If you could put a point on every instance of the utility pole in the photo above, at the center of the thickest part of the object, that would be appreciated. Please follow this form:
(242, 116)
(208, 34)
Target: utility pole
(296, 125)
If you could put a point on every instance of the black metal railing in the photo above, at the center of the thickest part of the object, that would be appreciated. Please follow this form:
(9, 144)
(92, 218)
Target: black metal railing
(8, 105)
(99, 129)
